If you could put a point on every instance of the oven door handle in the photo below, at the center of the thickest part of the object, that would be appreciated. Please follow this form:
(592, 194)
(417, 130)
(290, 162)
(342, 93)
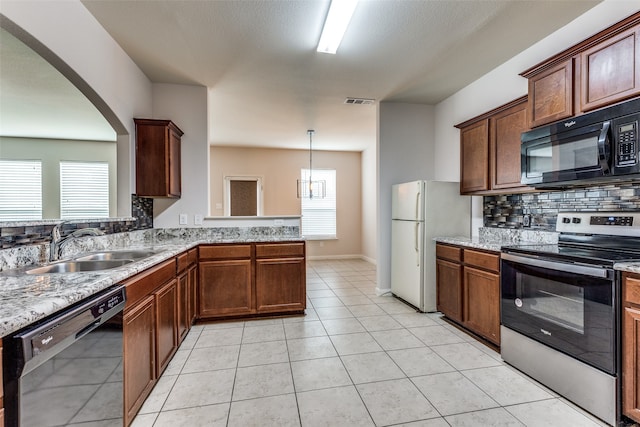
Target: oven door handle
(559, 266)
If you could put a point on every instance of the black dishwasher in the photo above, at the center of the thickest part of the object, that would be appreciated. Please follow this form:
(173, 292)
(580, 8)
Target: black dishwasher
(67, 368)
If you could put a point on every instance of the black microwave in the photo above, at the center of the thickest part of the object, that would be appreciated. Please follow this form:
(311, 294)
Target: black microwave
(592, 148)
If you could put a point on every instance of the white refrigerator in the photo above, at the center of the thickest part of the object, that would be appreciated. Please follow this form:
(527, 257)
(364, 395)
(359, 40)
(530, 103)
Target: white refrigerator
(420, 211)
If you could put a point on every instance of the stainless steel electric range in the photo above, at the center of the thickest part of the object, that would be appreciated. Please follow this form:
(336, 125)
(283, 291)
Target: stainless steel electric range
(560, 307)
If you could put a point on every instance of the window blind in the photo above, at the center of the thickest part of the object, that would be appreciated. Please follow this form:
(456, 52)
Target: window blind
(84, 190)
(319, 212)
(20, 190)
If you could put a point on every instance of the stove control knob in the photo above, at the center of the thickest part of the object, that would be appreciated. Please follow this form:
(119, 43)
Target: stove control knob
(566, 220)
(576, 220)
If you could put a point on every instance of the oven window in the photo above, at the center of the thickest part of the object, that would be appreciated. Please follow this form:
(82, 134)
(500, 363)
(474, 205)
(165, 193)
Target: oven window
(559, 303)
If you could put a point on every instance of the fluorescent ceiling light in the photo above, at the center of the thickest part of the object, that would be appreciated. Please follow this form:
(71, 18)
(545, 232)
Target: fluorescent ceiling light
(338, 18)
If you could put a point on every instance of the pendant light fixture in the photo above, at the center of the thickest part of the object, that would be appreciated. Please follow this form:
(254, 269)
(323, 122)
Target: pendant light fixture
(307, 188)
(310, 132)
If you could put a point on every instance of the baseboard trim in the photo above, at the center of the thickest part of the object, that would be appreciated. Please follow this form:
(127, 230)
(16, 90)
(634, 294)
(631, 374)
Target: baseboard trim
(383, 291)
(340, 257)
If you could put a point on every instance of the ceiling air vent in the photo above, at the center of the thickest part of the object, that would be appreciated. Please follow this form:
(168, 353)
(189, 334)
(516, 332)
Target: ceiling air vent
(359, 101)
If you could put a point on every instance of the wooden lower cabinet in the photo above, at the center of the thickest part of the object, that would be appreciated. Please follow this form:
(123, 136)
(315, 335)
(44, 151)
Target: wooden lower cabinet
(449, 289)
(150, 331)
(481, 298)
(278, 285)
(166, 302)
(183, 305)
(139, 346)
(631, 346)
(193, 293)
(468, 289)
(225, 288)
(243, 280)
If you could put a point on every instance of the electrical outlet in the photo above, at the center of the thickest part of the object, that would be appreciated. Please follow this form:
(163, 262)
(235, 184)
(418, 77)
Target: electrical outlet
(183, 219)
(277, 222)
(218, 205)
(197, 219)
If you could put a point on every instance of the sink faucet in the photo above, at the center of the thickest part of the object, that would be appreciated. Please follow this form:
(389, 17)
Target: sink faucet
(58, 242)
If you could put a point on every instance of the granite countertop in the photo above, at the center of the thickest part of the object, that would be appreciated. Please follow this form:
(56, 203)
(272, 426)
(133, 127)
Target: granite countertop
(472, 242)
(493, 239)
(27, 298)
(630, 267)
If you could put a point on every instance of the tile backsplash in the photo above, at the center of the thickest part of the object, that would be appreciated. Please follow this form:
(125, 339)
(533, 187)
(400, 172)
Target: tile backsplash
(508, 211)
(40, 231)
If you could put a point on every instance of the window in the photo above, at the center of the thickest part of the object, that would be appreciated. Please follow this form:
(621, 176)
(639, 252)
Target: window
(84, 190)
(319, 211)
(20, 190)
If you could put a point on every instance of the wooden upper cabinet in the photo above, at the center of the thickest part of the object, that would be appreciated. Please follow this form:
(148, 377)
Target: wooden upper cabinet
(506, 128)
(158, 167)
(551, 94)
(474, 157)
(610, 71)
(597, 72)
(490, 149)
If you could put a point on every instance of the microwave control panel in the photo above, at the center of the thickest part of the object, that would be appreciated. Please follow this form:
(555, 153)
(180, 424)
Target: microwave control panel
(626, 143)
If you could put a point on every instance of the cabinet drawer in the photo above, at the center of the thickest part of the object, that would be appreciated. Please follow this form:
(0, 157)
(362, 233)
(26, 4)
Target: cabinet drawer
(451, 253)
(192, 256)
(632, 290)
(279, 250)
(145, 283)
(482, 260)
(183, 262)
(225, 252)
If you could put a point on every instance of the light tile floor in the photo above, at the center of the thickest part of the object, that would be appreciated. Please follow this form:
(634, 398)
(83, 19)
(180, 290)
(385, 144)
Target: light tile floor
(355, 359)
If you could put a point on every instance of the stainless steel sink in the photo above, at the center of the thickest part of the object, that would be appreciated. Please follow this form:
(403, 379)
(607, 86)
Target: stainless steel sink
(78, 266)
(117, 255)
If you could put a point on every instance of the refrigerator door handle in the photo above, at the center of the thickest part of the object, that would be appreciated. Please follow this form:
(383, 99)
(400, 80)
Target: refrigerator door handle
(416, 232)
(417, 218)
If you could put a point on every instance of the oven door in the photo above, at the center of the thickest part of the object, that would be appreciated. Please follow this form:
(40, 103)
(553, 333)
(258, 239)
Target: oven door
(576, 155)
(569, 307)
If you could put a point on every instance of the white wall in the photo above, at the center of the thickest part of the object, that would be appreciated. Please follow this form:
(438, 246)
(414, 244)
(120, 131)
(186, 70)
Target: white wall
(70, 38)
(369, 205)
(186, 106)
(503, 84)
(405, 152)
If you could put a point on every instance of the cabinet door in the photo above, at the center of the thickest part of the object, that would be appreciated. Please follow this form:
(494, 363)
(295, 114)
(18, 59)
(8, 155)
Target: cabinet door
(631, 363)
(481, 298)
(166, 324)
(280, 285)
(474, 157)
(193, 294)
(506, 128)
(225, 288)
(449, 289)
(551, 94)
(610, 71)
(174, 172)
(158, 163)
(184, 319)
(139, 348)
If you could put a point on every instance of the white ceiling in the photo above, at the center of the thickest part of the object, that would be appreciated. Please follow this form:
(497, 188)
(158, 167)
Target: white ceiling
(268, 85)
